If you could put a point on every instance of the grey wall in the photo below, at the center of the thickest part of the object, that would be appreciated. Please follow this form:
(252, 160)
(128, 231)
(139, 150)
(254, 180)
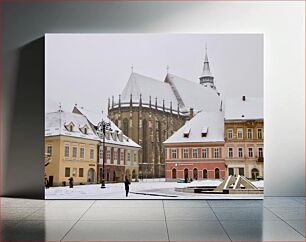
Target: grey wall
(24, 25)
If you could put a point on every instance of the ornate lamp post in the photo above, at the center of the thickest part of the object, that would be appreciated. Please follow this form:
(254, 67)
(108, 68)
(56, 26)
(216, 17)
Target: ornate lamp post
(103, 126)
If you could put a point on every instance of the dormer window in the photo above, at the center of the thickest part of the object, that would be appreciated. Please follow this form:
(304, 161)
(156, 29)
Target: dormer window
(204, 131)
(114, 135)
(69, 126)
(84, 129)
(186, 133)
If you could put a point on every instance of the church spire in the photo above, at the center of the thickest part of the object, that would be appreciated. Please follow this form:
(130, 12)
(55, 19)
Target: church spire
(206, 78)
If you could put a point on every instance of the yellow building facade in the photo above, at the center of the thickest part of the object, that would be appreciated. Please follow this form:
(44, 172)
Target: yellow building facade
(72, 148)
(71, 157)
(244, 138)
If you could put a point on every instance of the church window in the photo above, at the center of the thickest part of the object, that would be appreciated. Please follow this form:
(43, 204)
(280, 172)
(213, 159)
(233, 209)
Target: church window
(126, 126)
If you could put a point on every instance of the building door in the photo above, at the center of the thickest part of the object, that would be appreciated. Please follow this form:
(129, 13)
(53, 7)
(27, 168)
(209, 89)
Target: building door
(241, 171)
(50, 181)
(195, 174)
(134, 175)
(255, 173)
(204, 174)
(173, 173)
(186, 173)
(217, 173)
(90, 175)
(230, 171)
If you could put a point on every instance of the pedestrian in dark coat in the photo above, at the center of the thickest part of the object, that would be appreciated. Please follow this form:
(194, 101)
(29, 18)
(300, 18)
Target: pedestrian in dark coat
(186, 178)
(46, 183)
(127, 184)
(70, 182)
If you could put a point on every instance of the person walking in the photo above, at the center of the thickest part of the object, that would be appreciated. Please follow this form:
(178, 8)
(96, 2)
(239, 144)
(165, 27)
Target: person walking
(46, 183)
(70, 182)
(127, 184)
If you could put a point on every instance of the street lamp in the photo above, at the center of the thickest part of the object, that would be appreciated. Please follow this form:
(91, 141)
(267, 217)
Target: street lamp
(103, 126)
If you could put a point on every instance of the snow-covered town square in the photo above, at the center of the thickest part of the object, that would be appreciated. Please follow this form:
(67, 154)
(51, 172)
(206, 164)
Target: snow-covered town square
(119, 126)
(146, 189)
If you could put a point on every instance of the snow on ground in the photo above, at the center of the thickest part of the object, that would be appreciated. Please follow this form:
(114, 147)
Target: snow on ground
(146, 189)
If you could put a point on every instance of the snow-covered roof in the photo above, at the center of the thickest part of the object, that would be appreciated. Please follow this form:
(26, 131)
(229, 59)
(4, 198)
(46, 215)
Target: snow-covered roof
(146, 86)
(94, 118)
(237, 109)
(195, 95)
(212, 122)
(56, 123)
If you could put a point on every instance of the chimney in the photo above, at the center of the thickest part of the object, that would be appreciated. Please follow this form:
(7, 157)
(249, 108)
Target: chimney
(243, 98)
(191, 113)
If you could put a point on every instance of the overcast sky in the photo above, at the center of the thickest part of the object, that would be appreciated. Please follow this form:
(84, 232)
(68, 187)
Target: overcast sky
(88, 68)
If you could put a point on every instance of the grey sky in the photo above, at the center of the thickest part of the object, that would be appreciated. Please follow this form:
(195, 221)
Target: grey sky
(88, 68)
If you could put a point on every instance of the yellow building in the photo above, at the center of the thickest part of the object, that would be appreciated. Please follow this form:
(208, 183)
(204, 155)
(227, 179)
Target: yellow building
(244, 137)
(121, 154)
(71, 144)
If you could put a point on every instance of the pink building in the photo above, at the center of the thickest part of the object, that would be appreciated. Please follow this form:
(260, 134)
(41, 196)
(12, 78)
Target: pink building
(196, 150)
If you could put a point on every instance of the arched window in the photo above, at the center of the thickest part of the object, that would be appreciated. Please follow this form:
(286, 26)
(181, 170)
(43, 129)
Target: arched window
(195, 174)
(186, 173)
(173, 173)
(255, 173)
(217, 173)
(204, 174)
(144, 141)
(126, 127)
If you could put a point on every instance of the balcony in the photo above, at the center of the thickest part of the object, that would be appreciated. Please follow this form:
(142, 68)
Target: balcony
(260, 159)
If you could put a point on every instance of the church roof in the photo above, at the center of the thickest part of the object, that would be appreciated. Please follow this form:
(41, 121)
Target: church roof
(239, 109)
(204, 127)
(194, 95)
(146, 86)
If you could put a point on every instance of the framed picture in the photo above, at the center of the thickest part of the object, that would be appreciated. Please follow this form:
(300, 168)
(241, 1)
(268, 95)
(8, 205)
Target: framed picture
(154, 116)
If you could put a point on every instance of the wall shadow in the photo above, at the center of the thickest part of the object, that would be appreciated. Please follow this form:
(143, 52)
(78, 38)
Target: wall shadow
(26, 134)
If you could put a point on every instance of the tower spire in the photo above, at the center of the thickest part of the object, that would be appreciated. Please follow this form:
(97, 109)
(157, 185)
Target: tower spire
(206, 78)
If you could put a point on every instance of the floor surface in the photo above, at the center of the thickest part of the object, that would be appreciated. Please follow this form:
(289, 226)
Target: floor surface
(271, 219)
